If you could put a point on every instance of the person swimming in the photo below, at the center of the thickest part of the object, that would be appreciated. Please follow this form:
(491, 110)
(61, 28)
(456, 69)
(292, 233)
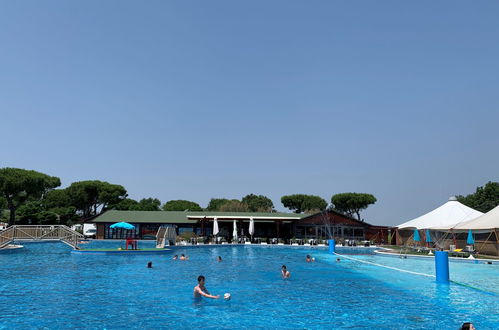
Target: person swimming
(308, 259)
(219, 259)
(149, 264)
(284, 272)
(183, 257)
(467, 326)
(338, 259)
(175, 257)
(201, 291)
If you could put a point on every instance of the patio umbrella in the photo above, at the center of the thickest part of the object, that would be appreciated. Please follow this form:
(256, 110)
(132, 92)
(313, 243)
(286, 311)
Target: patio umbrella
(215, 227)
(251, 228)
(123, 225)
(416, 236)
(470, 239)
(234, 232)
(428, 238)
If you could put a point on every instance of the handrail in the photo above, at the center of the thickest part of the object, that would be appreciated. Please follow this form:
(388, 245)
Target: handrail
(6, 236)
(40, 232)
(164, 234)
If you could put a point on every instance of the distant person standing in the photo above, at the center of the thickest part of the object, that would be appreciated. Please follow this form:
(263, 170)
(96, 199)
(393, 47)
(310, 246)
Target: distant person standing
(284, 272)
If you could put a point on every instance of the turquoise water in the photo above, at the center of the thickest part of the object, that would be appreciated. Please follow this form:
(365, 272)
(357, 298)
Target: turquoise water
(45, 286)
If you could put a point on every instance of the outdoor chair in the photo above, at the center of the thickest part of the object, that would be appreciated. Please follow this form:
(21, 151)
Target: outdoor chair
(131, 242)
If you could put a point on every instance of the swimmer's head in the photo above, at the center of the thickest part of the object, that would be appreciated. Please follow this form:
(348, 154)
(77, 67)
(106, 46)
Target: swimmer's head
(283, 267)
(200, 279)
(182, 255)
(219, 258)
(308, 256)
(149, 264)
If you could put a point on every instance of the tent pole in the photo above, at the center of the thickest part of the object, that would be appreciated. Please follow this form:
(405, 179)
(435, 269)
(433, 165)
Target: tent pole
(454, 238)
(483, 244)
(497, 240)
(397, 237)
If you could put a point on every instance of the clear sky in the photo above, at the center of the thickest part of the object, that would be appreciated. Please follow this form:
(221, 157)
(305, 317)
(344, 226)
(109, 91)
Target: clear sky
(200, 99)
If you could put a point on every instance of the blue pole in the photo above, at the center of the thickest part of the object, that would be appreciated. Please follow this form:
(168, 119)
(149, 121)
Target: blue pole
(442, 266)
(332, 246)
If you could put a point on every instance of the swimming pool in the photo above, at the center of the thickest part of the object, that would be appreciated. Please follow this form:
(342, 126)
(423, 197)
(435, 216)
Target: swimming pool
(45, 286)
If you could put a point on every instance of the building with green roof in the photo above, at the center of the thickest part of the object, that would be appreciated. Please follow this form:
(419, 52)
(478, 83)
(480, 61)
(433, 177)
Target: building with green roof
(147, 223)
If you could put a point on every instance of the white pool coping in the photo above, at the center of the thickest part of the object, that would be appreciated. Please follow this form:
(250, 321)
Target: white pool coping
(11, 247)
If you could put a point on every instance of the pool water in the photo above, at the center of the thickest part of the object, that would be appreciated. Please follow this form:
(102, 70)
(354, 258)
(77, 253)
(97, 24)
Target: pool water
(45, 286)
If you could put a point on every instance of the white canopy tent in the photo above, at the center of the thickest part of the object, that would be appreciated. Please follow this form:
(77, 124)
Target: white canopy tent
(444, 217)
(486, 222)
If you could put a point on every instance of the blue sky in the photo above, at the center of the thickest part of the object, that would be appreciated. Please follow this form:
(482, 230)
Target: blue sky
(201, 99)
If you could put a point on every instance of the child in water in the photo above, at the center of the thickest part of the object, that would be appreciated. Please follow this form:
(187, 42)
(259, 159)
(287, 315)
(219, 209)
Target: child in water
(284, 272)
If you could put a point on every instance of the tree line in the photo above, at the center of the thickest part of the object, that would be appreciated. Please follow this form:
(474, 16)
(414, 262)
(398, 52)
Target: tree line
(31, 197)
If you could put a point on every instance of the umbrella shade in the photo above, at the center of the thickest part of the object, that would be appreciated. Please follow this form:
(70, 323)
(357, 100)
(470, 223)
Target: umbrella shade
(124, 225)
(428, 238)
(470, 239)
(215, 226)
(251, 229)
(234, 232)
(416, 235)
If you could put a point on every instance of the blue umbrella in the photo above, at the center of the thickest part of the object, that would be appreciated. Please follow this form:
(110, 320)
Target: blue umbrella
(124, 225)
(470, 239)
(428, 238)
(416, 235)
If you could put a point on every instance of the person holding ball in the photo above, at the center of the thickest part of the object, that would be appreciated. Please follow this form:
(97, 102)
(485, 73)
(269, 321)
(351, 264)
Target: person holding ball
(201, 291)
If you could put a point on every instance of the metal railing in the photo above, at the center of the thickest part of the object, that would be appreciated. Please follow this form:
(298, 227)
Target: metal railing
(42, 232)
(6, 236)
(165, 234)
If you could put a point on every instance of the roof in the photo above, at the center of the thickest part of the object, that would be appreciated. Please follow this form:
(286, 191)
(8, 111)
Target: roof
(187, 216)
(444, 217)
(489, 220)
(330, 214)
